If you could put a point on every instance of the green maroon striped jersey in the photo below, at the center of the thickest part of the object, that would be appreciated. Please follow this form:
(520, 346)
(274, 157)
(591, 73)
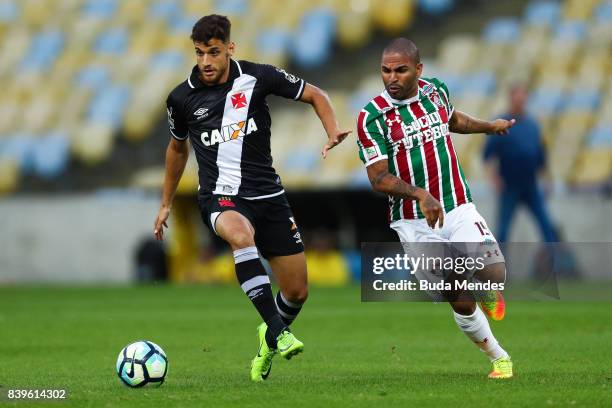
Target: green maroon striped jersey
(413, 135)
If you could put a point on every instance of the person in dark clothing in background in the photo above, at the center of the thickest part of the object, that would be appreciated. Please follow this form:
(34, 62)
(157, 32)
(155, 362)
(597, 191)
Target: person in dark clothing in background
(520, 158)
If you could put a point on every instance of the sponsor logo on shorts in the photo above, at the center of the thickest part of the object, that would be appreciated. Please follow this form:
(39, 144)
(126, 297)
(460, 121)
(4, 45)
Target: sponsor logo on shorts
(489, 254)
(298, 238)
(226, 202)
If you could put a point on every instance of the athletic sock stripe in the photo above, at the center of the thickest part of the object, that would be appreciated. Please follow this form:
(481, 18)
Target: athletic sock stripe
(289, 303)
(293, 311)
(245, 254)
(287, 315)
(254, 282)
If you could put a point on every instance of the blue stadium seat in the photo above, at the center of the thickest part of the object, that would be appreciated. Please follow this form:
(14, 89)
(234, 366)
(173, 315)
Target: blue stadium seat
(570, 31)
(51, 154)
(183, 24)
(454, 83)
(167, 60)
(165, 9)
(502, 30)
(9, 11)
(603, 13)
(231, 7)
(359, 179)
(112, 41)
(313, 41)
(543, 13)
(434, 7)
(108, 105)
(93, 77)
(302, 160)
(601, 136)
(100, 8)
(45, 47)
(546, 101)
(273, 41)
(582, 100)
(482, 83)
(19, 147)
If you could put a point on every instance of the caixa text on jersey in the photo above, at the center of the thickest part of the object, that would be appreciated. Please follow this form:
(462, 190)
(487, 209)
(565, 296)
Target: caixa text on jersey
(229, 132)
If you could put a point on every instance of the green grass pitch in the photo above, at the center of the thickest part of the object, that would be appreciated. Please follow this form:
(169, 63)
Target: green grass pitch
(357, 354)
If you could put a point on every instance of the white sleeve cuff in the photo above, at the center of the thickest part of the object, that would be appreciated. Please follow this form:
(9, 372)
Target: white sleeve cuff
(301, 90)
(178, 138)
(379, 158)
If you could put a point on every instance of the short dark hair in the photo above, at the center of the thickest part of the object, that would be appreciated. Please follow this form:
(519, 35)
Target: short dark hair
(211, 26)
(403, 45)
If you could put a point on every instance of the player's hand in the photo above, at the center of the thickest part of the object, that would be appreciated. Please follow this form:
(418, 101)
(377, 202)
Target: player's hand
(432, 210)
(334, 140)
(160, 223)
(501, 126)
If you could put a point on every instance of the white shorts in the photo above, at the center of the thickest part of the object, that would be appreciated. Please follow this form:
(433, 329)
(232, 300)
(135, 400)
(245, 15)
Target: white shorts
(463, 226)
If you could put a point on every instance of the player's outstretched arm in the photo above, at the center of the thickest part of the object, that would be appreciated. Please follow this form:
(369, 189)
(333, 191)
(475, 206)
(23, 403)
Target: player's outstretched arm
(385, 182)
(322, 105)
(463, 123)
(177, 154)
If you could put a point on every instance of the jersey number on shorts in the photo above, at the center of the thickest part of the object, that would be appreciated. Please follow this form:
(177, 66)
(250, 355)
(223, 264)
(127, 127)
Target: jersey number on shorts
(482, 228)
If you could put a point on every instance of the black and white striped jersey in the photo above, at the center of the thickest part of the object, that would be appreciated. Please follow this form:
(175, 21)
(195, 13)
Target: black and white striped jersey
(229, 127)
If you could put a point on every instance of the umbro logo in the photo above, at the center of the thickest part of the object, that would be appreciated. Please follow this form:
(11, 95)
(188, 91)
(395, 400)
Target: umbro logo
(254, 293)
(201, 113)
(298, 237)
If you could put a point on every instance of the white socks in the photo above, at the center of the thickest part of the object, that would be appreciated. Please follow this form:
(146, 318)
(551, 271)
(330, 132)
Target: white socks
(476, 327)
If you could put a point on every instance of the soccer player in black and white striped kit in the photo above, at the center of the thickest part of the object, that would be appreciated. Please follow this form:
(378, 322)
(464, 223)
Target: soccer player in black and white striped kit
(221, 109)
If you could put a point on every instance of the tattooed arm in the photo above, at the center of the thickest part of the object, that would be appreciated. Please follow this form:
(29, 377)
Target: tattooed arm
(385, 182)
(464, 123)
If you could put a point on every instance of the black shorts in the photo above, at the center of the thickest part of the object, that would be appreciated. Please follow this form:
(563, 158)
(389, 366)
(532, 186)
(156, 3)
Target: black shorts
(276, 233)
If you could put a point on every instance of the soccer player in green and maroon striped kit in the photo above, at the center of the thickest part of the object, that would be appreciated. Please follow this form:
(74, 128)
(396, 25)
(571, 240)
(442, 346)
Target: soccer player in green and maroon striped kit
(404, 140)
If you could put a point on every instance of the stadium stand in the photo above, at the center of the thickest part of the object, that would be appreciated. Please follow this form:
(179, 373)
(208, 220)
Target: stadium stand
(78, 74)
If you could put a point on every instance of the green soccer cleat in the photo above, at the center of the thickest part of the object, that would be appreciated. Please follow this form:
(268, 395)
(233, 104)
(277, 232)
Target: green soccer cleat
(262, 363)
(502, 368)
(288, 345)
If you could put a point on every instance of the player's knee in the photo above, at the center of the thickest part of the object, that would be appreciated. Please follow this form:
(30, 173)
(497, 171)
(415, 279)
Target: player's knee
(242, 238)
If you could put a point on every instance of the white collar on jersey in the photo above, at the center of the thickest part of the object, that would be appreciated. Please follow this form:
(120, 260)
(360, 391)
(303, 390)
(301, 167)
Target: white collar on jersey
(415, 98)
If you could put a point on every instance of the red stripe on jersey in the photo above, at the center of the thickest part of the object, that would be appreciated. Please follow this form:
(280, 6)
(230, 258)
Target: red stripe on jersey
(459, 191)
(365, 141)
(392, 118)
(404, 174)
(381, 102)
(430, 156)
(443, 113)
